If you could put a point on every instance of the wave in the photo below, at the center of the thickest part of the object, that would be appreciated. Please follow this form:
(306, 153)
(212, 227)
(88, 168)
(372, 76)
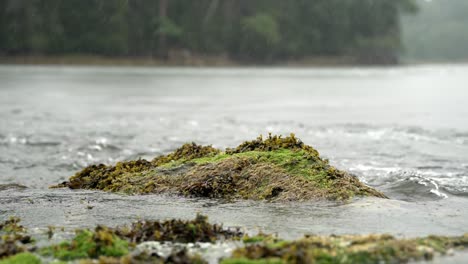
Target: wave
(411, 186)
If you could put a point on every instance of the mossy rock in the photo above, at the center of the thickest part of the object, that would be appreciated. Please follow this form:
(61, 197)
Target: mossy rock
(347, 249)
(115, 245)
(274, 169)
(89, 244)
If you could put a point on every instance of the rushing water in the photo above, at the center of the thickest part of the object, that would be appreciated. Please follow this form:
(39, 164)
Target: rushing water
(402, 130)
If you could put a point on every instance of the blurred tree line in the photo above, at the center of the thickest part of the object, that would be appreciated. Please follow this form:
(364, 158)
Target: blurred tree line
(439, 32)
(244, 30)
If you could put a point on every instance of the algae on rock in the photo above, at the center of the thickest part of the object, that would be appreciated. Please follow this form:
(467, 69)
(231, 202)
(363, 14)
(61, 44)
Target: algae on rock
(347, 249)
(275, 169)
(117, 243)
(89, 244)
(114, 245)
(13, 238)
(197, 230)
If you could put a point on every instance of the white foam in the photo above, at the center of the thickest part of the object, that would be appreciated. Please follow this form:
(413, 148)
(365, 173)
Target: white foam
(436, 191)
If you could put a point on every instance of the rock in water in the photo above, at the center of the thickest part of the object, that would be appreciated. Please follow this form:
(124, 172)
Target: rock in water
(274, 169)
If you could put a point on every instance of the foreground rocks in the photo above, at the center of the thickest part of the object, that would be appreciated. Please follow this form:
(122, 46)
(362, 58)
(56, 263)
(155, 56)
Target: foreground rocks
(131, 244)
(113, 245)
(13, 238)
(274, 169)
(348, 249)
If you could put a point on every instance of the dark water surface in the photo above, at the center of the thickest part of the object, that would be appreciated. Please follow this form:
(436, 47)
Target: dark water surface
(402, 130)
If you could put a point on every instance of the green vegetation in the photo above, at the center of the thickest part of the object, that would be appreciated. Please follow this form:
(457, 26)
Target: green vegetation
(117, 245)
(255, 31)
(274, 169)
(188, 151)
(118, 242)
(347, 249)
(114, 245)
(22, 258)
(88, 244)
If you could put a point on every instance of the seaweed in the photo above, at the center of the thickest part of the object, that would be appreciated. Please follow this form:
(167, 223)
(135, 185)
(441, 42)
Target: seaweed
(113, 245)
(12, 226)
(272, 143)
(348, 249)
(273, 169)
(197, 230)
(101, 176)
(187, 152)
(13, 238)
(279, 175)
(116, 245)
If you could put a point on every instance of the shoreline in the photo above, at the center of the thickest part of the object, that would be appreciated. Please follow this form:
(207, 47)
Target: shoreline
(202, 61)
(192, 61)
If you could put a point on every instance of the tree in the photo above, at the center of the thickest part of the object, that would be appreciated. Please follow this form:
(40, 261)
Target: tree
(260, 36)
(246, 30)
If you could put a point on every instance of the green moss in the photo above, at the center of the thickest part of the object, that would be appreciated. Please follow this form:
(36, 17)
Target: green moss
(253, 239)
(21, 258)
(260, 237)
(307, 175)
(277, 244)
(112, 245)
(351, 249)
(274, 168)
(89, 244)
(274, 143)
(111, 178)
(187, 152)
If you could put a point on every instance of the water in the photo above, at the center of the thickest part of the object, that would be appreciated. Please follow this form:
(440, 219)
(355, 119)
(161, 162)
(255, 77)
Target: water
(403, 130)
